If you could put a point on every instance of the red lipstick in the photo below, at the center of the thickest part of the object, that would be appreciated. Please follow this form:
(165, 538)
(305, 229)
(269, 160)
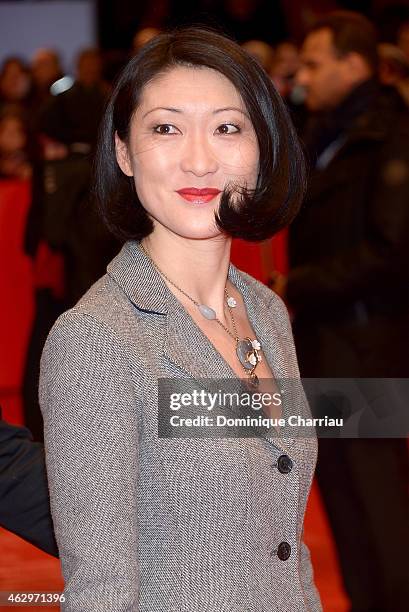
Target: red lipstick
(198, 196)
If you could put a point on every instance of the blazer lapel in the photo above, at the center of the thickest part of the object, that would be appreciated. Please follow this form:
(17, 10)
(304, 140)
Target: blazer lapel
(184, 344)
(268, 331)
(188, 348)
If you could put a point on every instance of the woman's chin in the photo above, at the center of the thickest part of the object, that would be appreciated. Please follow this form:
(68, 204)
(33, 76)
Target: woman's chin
(191, 231)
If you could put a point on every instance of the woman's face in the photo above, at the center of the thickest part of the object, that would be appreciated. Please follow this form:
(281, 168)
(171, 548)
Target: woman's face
(190, 132)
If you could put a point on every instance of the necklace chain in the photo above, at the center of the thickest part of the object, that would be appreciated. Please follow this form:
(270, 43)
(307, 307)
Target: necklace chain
(235, 335)
(253, 352)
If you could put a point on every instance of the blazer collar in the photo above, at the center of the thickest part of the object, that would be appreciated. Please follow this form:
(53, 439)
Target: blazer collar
(136, 276)
(142, 283)
(182, 339)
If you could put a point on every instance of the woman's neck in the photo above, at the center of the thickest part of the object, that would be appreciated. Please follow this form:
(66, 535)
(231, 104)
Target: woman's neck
(199, 267)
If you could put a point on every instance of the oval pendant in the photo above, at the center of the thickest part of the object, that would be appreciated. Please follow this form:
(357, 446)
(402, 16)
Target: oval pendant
(206, 311)
(245, 351)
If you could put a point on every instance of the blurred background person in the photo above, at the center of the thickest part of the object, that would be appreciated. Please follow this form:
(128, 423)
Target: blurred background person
(64, 236)
(143, 36)
(284, 67)
(283, 72)
(15, 162)
(15, 83)
(394, 69)
(25, 504)
(73, 116)
(261, 51)
(46, 69)
(348, 287)
(403, 38)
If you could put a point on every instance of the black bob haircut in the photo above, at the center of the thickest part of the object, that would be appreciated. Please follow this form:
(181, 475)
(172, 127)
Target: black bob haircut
(251, 215)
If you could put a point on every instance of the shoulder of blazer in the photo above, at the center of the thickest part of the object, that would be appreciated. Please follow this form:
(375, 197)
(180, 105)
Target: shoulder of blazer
(103, 312)
(273, 302)
(264, 292)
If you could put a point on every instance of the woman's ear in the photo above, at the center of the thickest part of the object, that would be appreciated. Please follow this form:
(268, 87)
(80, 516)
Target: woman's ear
(122, 156)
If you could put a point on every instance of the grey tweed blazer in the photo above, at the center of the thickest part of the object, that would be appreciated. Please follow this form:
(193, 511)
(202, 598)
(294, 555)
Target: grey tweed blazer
(150, 524)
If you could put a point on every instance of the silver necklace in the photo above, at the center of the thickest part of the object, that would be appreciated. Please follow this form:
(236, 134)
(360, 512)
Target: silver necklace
(247, 350)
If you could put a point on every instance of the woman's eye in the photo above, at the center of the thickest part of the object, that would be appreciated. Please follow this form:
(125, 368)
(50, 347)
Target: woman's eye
(228, 128)
(165, 128)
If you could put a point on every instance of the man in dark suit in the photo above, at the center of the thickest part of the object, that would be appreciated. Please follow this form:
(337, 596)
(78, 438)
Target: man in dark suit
(24, 505)
(348, 288)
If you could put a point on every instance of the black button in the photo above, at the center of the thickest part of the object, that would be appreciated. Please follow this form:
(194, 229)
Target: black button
(284, 464)
(283, 551)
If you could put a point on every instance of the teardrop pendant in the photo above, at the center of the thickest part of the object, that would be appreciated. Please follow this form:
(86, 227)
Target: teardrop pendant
(206, 311)
(253, 381)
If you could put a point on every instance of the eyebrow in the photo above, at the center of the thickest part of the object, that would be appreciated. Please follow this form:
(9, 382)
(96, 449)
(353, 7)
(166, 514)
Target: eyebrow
(178, 110)
(166, 108)
(231, 108)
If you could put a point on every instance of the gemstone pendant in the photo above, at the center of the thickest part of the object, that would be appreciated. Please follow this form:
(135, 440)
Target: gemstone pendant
(253, 381)
(247, 353)
(206, 311)
(231, 302)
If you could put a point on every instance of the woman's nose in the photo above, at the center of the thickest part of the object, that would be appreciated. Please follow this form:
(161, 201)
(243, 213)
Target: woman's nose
(198, 156)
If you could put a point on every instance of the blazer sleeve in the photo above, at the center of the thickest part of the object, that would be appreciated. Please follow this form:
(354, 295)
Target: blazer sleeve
(90, 431)
(307, 580)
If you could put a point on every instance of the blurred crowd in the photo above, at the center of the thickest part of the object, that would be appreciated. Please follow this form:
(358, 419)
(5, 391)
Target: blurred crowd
(347, 286)
(36, 121)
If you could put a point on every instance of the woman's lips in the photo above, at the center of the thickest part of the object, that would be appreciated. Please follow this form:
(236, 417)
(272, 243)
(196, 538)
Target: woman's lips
(198, 196)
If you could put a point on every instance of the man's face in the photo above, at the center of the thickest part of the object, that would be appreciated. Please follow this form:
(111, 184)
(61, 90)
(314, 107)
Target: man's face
(325, 77)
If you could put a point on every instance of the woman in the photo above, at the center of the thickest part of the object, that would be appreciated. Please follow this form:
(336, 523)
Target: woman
(195, 148)
(15, 147)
